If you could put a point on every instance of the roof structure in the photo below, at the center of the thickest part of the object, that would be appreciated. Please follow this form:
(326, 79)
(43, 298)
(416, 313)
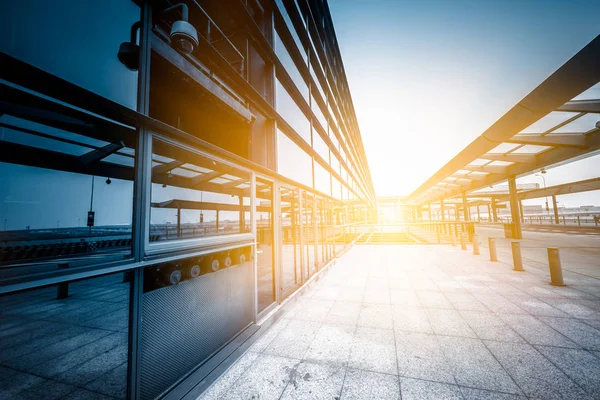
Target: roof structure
(557, 122)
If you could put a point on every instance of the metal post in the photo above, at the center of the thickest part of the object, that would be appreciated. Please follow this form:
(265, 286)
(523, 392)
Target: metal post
(442, 210)
(556, 278)
(521, 211)
(466, 212)
(489, 213)
(517, 259)
(514, 208)
(475, 245)
(494, 211)
(62, 289)
(478, 214)
(492, 245)
(555, 209)
(179, 222)
(463, 242)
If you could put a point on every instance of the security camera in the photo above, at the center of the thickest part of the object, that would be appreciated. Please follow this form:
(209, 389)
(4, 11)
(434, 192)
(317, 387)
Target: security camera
(543, 171)
(184, 37)
(108, 181)
(129, 52)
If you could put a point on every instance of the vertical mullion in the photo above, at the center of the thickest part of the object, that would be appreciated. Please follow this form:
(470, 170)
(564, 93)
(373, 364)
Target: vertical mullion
(141, 203)
(254, 245)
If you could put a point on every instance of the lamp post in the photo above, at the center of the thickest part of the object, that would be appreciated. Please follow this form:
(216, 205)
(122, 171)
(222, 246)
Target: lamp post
(544, 179)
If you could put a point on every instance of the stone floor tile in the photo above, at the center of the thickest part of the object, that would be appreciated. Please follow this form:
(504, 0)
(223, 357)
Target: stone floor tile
(449, 322)
(537, 376)
(269, 335)
(17, 383)
(308, 309)
(411, 319)
(367, 385)
(488, 326)
(420, 356)
(578, 331)
(499, 304)
(580, 365)
(478, 394)
(266, 378)
(380, 296)
(414, 389)
(404, 297)
(51, 390)
(218, 389)
(375, 316)
(331, 344)
(374, 350)
(535, 306)
(433, 300)
(315, 381)
(294, 339)
(536, 332)
(474, 366)
(343, 313)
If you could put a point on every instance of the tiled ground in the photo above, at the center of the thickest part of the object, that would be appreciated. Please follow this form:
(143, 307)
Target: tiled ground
(74, 348)
(427, 322)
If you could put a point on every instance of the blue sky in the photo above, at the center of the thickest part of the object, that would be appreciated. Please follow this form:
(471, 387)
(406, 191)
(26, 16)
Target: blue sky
(427, 77)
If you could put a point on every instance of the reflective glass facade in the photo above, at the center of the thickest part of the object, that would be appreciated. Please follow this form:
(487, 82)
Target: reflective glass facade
(186, 166)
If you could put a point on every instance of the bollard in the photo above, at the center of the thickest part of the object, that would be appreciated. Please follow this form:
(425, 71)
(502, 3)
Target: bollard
(517, 260)
(475, 245)
(453, 241)
(62, 289)
(492, 244)
(556, 278)
(463, 242)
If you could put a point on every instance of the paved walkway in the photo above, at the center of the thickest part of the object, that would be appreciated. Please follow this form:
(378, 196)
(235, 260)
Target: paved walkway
(427, 322)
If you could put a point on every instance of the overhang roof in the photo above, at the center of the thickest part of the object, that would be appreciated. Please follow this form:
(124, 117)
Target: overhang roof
(557, 122)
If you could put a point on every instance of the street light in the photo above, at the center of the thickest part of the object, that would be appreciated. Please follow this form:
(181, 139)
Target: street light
(544, 179)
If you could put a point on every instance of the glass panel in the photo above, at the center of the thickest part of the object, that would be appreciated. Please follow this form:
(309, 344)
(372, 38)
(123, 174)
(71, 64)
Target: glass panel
(265, 244)
(289, 110)
(320, 116)
(292, 161)
(580, 125)
(291, 257)
(40, 31)
(322, 179)
(319, 146)
(66, 340)
(187, 203)
(288, 23)
(309, 233)
(592, 93)
(64, 199)
(548, 122)
(290, 67)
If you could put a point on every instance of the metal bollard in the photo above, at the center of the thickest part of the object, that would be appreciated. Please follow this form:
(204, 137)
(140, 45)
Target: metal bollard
(463, 242)
(62, 289)
(492, 244)
(475, 245)
(556, 278)
(517, 260)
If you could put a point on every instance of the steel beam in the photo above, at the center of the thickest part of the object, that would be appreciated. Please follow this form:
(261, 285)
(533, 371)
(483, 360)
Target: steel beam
(560, 140)
(587, 106)
(514, 208)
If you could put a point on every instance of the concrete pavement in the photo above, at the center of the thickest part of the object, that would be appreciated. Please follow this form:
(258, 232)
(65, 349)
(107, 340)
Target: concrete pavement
(427, 322)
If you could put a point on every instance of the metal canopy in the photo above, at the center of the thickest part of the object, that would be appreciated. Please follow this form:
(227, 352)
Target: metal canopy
(556, 122)
(568, 188)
